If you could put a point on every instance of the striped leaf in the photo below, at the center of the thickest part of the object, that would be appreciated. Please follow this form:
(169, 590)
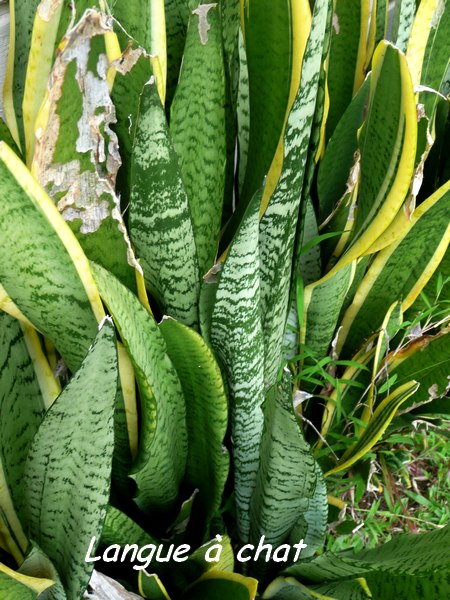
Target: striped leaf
(408, 567)
(402, 22)
(436, 60)
(377, 425)
(21, 412)
(21, 25)
(206, 418)
(400, 271)
(236, 337)
(145, 23)
(285, 28)
(21, 587)
(278, 226)
(335, 167)
(287, 475)
(76, 156)
(418, 38)
(177, 17)
(427, 359)
(196, 565)
(67, 475)
(159, 216)
(133, 70)
(197, 124)
(47, 274)
(387, 162)
(322, 306)
(311, 526)
(288, 588)
(120, 529)
(269, 45)
(40, 61)
(345, 41)
(161, 460)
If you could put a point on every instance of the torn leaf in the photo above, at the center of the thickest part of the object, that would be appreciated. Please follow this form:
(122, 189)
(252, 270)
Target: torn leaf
(77, 154)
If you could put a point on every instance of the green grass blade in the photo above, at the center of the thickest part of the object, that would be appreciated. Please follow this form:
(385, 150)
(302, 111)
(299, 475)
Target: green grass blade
(159, 216)
(67, 476)
(197, 124)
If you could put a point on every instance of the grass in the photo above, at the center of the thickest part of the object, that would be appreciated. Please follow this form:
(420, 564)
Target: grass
(402, 487)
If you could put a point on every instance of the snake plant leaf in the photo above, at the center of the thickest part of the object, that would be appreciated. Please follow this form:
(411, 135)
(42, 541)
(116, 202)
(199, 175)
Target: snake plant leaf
(344, 44)
(206, 417)
(409, 566)
(242, 111)
(133, 70)
(387, 163)
(159, 217)
(6, 136)
(65, 307)
(427, 359)
(418, 38)
(76, 155)
(434, 72)
(150, 586)
(226, 586)
(402, 22)
(21, 25)
(21, 412)
(161, 460)
(197, 125)
(288, 588)
(335, 166)
(40, 61)
(236, 338)
(382, 19)
(38, 565)
(289, 35)
(269, 71)
(21, 587)
(377, 425)
(177, 18)
(400, 271)
(287, 476)
(145, 23)
(196, 565)
(311, 526)
(278, 225)
(67, 475)
(322, 306)
(120, 529)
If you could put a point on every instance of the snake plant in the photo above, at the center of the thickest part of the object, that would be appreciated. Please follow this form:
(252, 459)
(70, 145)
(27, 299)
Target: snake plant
(224, 273)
